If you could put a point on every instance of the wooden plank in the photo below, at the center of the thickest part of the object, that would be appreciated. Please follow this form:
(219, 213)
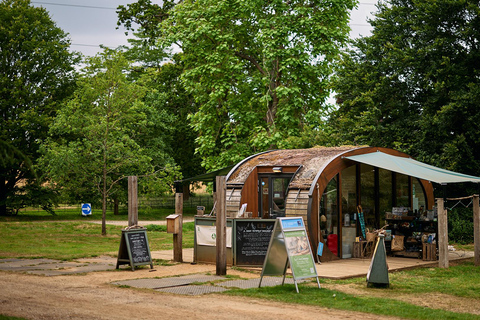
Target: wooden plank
(177, 238)
(442, 234)
(476, 228)
(221, 227)
(132, 201)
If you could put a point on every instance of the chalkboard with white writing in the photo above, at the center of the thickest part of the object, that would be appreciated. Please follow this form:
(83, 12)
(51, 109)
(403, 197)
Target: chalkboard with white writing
(134, 249)
(252, 238)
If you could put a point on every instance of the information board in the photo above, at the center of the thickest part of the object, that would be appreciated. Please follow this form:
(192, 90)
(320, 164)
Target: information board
(289, 245)
(252, 238)
(134, 249)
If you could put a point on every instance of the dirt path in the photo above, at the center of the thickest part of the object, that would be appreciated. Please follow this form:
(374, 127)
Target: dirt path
(92, 296)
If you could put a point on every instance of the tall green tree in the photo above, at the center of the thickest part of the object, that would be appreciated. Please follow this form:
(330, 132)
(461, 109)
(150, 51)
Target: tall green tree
(161, 72)
(167, 95)
(414, 83)
(103, 134)
(36, 75)
(257, 69)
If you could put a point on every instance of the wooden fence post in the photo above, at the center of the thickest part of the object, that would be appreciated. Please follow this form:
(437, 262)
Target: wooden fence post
(177, 238)
(442, 234)
(476, 228)
(221, 226)
(132, 201)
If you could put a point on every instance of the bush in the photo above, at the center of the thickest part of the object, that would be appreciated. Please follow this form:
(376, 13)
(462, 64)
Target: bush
(460, 225)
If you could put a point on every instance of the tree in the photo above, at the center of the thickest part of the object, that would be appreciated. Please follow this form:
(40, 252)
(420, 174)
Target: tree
(36, 76)
(257, 69)
(161, 74)
(414, 83)
(167, 95)
(101, 135)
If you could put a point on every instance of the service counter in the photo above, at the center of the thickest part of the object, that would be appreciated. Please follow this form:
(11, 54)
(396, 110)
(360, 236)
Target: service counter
(247, 240)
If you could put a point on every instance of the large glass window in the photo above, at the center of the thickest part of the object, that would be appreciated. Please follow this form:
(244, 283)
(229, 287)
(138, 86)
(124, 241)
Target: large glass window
(367, 194)
(403, 199)
(418, 196)
(349, 209)
(329, 216)
(349, 191)
(385, 193)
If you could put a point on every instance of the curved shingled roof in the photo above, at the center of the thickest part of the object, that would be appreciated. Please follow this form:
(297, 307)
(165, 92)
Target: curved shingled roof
(310, 162)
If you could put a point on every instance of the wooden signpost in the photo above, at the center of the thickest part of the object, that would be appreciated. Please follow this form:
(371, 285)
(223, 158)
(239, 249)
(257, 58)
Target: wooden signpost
(289, 245)
(134, 249)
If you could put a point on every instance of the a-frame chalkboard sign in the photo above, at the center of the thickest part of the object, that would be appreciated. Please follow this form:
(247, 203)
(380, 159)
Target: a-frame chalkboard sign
(289, 245)
(134, 249)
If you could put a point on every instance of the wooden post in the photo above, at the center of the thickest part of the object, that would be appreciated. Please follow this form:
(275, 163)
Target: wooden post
(442, 234)
(132, 201)
(476, 228)
(221, 223)
(177, 238)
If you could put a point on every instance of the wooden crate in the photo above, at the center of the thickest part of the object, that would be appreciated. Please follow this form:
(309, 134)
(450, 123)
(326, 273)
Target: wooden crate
(429, 252)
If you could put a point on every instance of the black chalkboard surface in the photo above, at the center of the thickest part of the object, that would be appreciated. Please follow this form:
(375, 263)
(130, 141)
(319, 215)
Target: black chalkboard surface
(252, 239)
(134, 249)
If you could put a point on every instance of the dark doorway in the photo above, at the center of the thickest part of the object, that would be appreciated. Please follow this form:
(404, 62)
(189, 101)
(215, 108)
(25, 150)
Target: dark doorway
(272, 195)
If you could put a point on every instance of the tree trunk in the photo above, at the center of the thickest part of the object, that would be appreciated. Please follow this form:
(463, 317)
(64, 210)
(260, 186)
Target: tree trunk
(104, 200)
(115, 207)
(3, 196)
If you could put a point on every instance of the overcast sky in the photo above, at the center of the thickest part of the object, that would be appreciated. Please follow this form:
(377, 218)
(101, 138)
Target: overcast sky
(91, 23)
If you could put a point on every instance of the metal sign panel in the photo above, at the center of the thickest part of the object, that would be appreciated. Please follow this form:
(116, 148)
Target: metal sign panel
(86, 209)
(289, 245)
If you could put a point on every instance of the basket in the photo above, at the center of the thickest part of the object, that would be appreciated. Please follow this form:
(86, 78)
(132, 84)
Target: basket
(397, 243)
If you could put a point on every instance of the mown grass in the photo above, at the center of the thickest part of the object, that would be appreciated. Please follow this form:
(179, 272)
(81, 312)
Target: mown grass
(333, 299)
(72, 240)
(460, 280)
(67, 214)
(2, 317)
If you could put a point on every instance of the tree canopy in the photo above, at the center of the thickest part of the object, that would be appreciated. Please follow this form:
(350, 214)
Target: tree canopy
(36, 76)
(414, 83)
(258, 70)
(104, 133)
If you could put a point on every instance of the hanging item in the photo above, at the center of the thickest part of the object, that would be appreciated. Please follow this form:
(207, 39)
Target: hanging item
(361, 219)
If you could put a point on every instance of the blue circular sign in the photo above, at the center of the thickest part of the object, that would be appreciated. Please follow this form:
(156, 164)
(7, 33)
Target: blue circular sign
(86, 209)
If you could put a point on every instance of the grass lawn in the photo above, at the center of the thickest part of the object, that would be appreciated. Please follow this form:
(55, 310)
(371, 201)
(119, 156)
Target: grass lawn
(68, 240)
(65, 213)
(76, 239)
(459, 281)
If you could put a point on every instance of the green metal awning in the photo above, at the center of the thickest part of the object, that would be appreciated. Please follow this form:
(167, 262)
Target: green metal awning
(410, 167)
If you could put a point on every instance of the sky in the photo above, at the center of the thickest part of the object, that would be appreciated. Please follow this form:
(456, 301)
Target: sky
(91, 23)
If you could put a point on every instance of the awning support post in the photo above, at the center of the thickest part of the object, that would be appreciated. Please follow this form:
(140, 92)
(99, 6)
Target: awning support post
(442, 234)
(177, 238)
(476, 228)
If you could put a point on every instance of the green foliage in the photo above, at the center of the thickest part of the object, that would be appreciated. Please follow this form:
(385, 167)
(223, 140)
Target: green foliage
(167, 95)
(413, 84)
(257, 70)
(460, 225)
(104, 134)
(166, 92)
(36, 76)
